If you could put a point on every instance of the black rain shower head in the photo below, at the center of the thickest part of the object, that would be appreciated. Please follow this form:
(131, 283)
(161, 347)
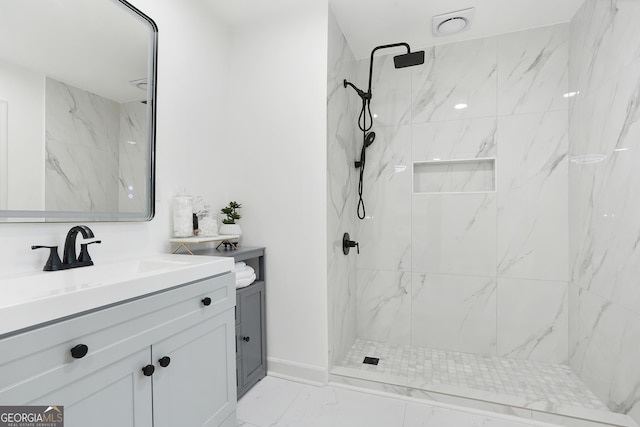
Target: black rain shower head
(409, 59)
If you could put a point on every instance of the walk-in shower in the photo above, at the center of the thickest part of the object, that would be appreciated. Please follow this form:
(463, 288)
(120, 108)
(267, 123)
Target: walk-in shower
(495, 270)
(408, 59)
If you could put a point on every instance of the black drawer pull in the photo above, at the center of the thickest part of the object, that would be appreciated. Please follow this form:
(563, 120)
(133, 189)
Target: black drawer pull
(246, 339)
(79, 351)
(164, 361)
(148, 370)
(206, 301)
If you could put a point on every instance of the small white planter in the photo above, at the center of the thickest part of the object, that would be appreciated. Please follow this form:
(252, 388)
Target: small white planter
(230, 229)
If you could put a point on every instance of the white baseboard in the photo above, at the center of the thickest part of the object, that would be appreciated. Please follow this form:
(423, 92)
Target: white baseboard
(299, 372)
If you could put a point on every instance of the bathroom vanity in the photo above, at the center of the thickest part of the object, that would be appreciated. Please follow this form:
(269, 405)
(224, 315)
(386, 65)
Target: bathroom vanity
(150, 345)
(251, 330)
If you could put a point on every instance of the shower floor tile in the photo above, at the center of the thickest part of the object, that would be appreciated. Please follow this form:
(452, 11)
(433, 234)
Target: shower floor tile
(421, 367)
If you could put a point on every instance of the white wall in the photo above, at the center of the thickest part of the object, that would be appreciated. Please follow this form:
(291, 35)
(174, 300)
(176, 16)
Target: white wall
(23, 90)
(278, 131)
(192, 78)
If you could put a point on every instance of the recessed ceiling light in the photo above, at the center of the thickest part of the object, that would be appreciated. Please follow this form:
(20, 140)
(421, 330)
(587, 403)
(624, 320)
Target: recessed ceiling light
(570, 94)
(452, 23)
(621, 149)
(460, 106)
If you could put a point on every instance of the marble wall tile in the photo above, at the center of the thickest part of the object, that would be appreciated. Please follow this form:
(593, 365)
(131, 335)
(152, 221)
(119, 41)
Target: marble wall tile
(81, 131)
(132, 155)
(385, 234)
(341, 203)
(456, 313)
(532, 320)
(533, 70)
(605, 40)
(390, 90)
(532, 196)
(604, 127)
(79, 178)
(454, 234)
(384, 306)
(455, 73)
(606, 352)
(457, 139)
(604, 249)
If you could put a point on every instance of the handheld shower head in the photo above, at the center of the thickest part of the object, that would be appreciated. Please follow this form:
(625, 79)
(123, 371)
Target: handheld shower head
(409, 59)
(368, 140)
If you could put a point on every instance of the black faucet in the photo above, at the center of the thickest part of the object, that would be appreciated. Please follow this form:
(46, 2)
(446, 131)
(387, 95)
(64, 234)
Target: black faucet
(69, 259)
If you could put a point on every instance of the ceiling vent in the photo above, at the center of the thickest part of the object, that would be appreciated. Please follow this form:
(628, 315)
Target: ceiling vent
(452, 23)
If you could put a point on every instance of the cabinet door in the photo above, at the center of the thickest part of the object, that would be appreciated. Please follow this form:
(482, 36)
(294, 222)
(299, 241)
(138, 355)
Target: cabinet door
(251, 334)
(197, 387)
(116, 395)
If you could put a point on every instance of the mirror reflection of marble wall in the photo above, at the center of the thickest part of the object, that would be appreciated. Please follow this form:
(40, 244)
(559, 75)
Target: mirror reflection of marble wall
(76, 115)
(95, 151)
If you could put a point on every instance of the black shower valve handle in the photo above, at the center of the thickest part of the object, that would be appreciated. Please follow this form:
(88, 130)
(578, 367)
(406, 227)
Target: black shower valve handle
(347, 244)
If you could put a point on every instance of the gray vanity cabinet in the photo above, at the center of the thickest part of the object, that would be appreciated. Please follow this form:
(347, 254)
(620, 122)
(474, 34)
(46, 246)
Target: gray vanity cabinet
(118, 384)
(250, 332)
(251, 341)
(164, 360)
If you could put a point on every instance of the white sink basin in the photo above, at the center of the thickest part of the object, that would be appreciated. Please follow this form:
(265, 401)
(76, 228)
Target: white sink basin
(31, 299)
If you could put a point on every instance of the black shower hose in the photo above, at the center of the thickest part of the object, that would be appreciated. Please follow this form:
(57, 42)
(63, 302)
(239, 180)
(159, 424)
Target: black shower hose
(362, 124)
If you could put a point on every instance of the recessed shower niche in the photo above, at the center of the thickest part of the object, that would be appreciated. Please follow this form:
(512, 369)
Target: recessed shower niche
(455, 176)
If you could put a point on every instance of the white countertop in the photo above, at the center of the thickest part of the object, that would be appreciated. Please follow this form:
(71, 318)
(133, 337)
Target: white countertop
(38, 297)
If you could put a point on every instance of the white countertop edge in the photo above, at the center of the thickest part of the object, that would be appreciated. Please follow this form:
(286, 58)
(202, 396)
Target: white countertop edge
(32, 312)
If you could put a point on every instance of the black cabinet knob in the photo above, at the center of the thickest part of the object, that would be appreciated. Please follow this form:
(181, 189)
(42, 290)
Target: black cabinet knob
(79, 351)
(164, 361)
(206, 301)
(246, 339)
(148, 370)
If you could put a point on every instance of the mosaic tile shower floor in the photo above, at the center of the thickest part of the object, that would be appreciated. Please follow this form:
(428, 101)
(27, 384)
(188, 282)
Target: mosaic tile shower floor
(530, 380)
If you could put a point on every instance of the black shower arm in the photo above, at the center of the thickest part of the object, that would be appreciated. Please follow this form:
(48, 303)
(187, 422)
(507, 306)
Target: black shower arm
(386, 46)
(362, 94)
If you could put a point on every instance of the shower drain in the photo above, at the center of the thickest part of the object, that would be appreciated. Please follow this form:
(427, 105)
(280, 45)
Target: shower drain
(371, 360)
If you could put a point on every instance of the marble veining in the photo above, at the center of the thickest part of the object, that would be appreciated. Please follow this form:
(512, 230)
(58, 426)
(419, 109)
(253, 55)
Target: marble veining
(532, 196)
(604, 123)
(341, 204)
(532, 320)
(277, 402)
(533, 70)
(384, 305)
(132, 155)
(385, 233)
(467, 302)
(464, 72)
(81, 140)
(456, 139)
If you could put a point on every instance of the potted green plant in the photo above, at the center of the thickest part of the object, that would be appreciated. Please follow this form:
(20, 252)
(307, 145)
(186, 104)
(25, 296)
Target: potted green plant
(229, 225)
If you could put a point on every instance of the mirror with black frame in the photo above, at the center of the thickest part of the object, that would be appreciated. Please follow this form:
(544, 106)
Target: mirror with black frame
(77, 111)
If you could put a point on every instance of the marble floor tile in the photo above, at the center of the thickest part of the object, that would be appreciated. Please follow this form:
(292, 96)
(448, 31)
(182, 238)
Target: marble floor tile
(267, 402)
(338, 406)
